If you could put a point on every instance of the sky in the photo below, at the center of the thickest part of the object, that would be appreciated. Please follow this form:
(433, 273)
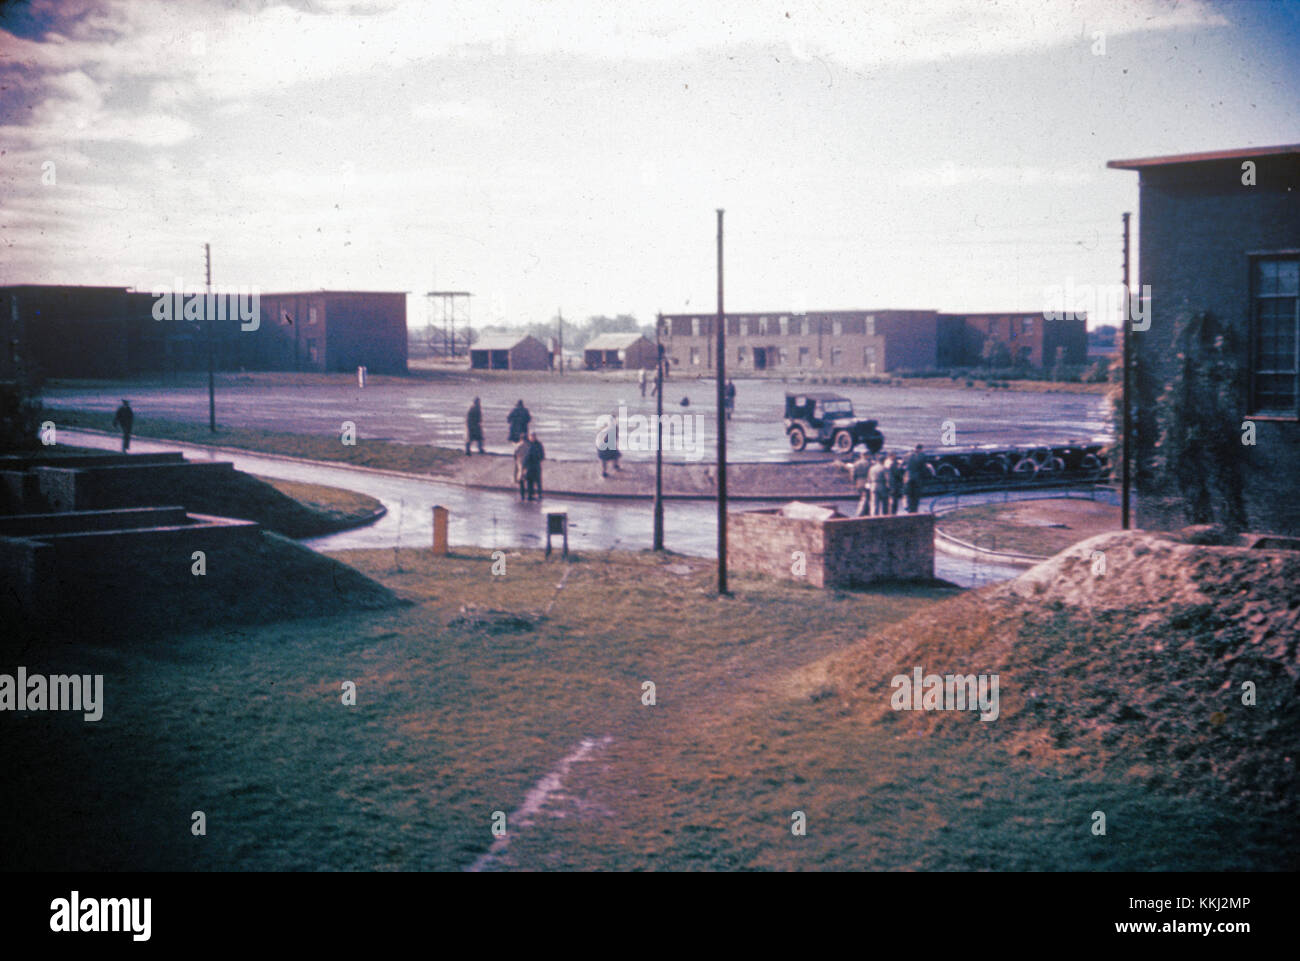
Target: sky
(570, 155)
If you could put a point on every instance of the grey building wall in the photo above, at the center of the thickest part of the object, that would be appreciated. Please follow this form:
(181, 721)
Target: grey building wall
(1199, 227)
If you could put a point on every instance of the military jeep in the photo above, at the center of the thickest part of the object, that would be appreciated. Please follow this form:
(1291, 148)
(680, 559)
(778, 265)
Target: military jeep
(827, 419)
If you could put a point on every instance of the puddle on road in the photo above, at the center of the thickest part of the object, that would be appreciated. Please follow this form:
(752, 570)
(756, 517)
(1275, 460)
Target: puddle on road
(537, 797)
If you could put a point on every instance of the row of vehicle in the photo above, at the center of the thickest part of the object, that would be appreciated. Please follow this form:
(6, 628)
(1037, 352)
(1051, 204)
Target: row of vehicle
(828, 419)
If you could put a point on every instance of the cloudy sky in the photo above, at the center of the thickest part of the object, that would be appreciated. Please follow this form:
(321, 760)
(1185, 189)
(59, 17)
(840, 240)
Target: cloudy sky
(571, 153)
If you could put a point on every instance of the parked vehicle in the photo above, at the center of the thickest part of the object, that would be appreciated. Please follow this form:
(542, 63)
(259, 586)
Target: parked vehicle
(828, 419)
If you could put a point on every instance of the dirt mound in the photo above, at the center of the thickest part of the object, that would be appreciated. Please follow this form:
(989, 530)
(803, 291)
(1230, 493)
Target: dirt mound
(1129, 653)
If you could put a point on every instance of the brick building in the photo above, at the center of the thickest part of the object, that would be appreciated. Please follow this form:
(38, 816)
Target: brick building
(1030, 339)
(849, 341)
(868, 342)
(328, 330)
(80, 331)
(1220, 234)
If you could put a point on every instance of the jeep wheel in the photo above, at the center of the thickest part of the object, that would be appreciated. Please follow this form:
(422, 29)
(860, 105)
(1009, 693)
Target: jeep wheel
(842, 442)
(797, 439)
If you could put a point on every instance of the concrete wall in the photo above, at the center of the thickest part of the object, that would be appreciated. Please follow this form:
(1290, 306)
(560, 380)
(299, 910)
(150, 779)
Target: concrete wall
(844, 552)
(1199, 227)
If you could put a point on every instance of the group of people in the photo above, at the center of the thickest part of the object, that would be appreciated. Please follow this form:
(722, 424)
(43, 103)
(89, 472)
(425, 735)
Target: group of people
(885, 480)
(529, 452)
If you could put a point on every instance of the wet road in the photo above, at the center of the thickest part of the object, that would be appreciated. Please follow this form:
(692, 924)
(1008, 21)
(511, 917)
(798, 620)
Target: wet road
(565, 411)
(492, 519)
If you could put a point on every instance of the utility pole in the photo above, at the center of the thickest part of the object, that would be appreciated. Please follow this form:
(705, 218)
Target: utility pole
(722, 425)
(659, 439)
(1126, 359)
(559, 338)
(212, 390)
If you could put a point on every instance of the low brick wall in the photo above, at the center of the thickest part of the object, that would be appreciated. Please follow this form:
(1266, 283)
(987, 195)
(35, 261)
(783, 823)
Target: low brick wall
(841, 552)
(129, 485)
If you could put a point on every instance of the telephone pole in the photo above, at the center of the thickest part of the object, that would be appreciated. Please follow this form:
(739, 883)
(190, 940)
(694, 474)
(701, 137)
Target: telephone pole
(212, 390)
(722, 425)
(1126, 359)
(559, 339)
(659, 439)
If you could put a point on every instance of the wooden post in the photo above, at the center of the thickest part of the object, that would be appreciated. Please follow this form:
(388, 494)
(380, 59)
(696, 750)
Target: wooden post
(440, 530)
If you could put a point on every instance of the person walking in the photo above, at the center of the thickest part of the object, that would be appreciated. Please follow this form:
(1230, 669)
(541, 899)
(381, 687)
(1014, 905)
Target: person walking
(896, 472)
(521, 466)
(641, 379)
(125, 419)
(730, 396)
(913, 474)
(607, 446)
(474, 427)
(518, 419)
(533, 465)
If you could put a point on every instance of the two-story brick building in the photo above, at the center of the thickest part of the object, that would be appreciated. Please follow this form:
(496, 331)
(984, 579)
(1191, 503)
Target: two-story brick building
(868, 341)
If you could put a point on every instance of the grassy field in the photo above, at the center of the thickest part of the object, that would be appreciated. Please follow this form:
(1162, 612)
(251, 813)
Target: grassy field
(337, 507)
(416, 459)
(472, 693)
(1041, 527)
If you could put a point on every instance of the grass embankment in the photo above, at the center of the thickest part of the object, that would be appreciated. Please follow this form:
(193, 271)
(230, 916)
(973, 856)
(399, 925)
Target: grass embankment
(337, 509)
(388, 455)
(1040, 527)
(469, 696)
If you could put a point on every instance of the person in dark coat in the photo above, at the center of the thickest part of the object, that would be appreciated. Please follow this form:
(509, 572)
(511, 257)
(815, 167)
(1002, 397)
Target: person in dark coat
(474, 427)
(533, 466)
(729, 395)
(518, 419)
(913, 475)
(125, 419)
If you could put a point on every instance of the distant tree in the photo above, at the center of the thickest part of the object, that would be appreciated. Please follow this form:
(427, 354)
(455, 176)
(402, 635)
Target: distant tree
(1198, 419)
(995, 354)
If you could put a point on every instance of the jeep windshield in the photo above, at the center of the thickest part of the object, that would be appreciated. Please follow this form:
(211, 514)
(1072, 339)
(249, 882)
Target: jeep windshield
(835, 409)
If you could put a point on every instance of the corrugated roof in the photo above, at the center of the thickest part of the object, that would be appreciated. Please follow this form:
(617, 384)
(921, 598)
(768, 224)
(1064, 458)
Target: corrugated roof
(1244, 153)
(614, 341)
(498, 342)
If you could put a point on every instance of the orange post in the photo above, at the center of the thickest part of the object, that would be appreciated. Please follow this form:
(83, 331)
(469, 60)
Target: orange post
(440, 530)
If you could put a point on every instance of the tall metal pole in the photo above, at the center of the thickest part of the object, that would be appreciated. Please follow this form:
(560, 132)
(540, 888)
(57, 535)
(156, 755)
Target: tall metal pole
(659, 439)
(722, 425)
(1126, 360)
(559, 338)
(212, 390)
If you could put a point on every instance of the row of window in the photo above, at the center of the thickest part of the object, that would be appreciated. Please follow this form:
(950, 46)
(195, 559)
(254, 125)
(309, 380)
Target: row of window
(783, 326)
(765, 357)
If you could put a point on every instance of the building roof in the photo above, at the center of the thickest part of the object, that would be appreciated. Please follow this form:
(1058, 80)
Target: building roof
(500, 341)
(614, 341)
(1244, 153)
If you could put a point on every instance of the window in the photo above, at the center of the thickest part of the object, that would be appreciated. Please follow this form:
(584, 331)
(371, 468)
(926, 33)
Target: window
(871, 325)
(311, 350)
(837, 328)
(869, 359)
(695, 328)
(783, 356)
(740, 355)
(803, 356)
(1027, 324)
(783, 325)
(311, 316)
(764, 326)
(836, 354)
(695, 357)
(1276, 314)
